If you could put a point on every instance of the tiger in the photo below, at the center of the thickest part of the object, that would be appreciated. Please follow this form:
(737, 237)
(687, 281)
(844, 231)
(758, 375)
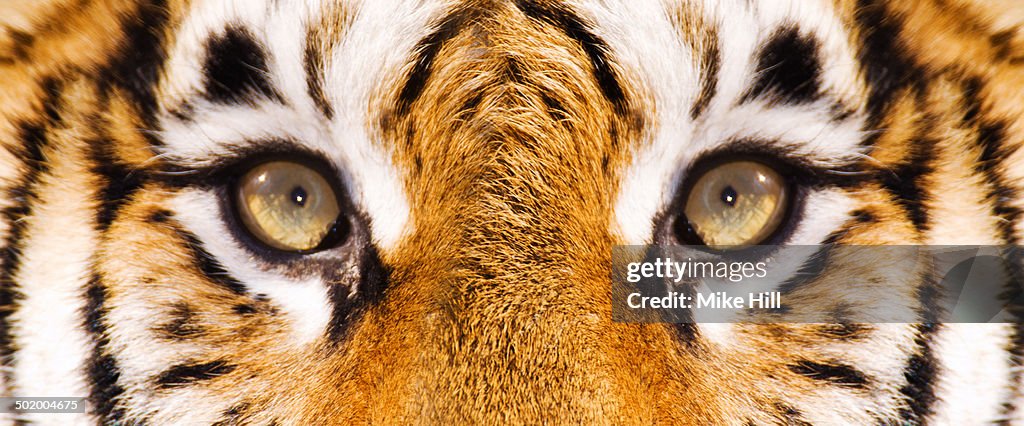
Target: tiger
(285, 212)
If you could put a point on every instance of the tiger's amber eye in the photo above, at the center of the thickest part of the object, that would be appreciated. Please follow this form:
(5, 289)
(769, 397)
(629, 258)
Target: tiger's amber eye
(287, 205)
(739, 203)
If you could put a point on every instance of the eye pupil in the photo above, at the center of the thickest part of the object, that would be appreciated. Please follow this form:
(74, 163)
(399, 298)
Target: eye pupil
(299, 196)
(730, 196)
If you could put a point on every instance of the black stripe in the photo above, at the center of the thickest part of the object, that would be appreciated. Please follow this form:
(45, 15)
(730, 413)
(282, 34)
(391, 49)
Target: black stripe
(185, 111)
(687, 333)
(887, 65)
(990, 137)
(236, 415)
(1002, 43)
(920, 373)
(101, 367)
(244, 309)
(862, 216)
(426, 52)
(373, 279)
(312, 58)
(595, 48)
(34, 142)
(837, 374)
(160, 216)
(788, 69)
(209, 265)
(471, 105)
(790, 416)
(120, 181)
(904, 180)
(188, 374)
(22, 43)
(844, 331)
(711, 66)
(810, 270)
(922, 368)
(512, 71)
(1014, 295)
(136, 65)
(556, 110)
(182, 324)
(235, 68)
(903, 183)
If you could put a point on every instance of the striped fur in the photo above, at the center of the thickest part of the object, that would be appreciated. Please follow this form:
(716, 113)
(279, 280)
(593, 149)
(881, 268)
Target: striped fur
(493, 152)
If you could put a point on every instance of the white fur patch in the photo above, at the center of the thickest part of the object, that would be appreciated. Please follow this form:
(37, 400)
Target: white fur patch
(47, 328)
(304, 302)
(975, 370)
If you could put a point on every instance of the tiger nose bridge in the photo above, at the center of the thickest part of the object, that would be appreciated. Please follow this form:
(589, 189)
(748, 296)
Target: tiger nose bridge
(521, 325)
(539, 231)
(533, 298)
(532, 301)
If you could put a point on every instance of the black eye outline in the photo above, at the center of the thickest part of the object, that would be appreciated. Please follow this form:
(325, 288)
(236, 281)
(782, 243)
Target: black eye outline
(344, 231)
(672, 227)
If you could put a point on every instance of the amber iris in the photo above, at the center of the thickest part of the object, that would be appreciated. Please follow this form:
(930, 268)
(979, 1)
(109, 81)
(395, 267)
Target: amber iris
(736, 204)
(286, 205)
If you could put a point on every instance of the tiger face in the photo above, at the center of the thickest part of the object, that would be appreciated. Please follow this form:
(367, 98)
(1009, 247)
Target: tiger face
(311, 212)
